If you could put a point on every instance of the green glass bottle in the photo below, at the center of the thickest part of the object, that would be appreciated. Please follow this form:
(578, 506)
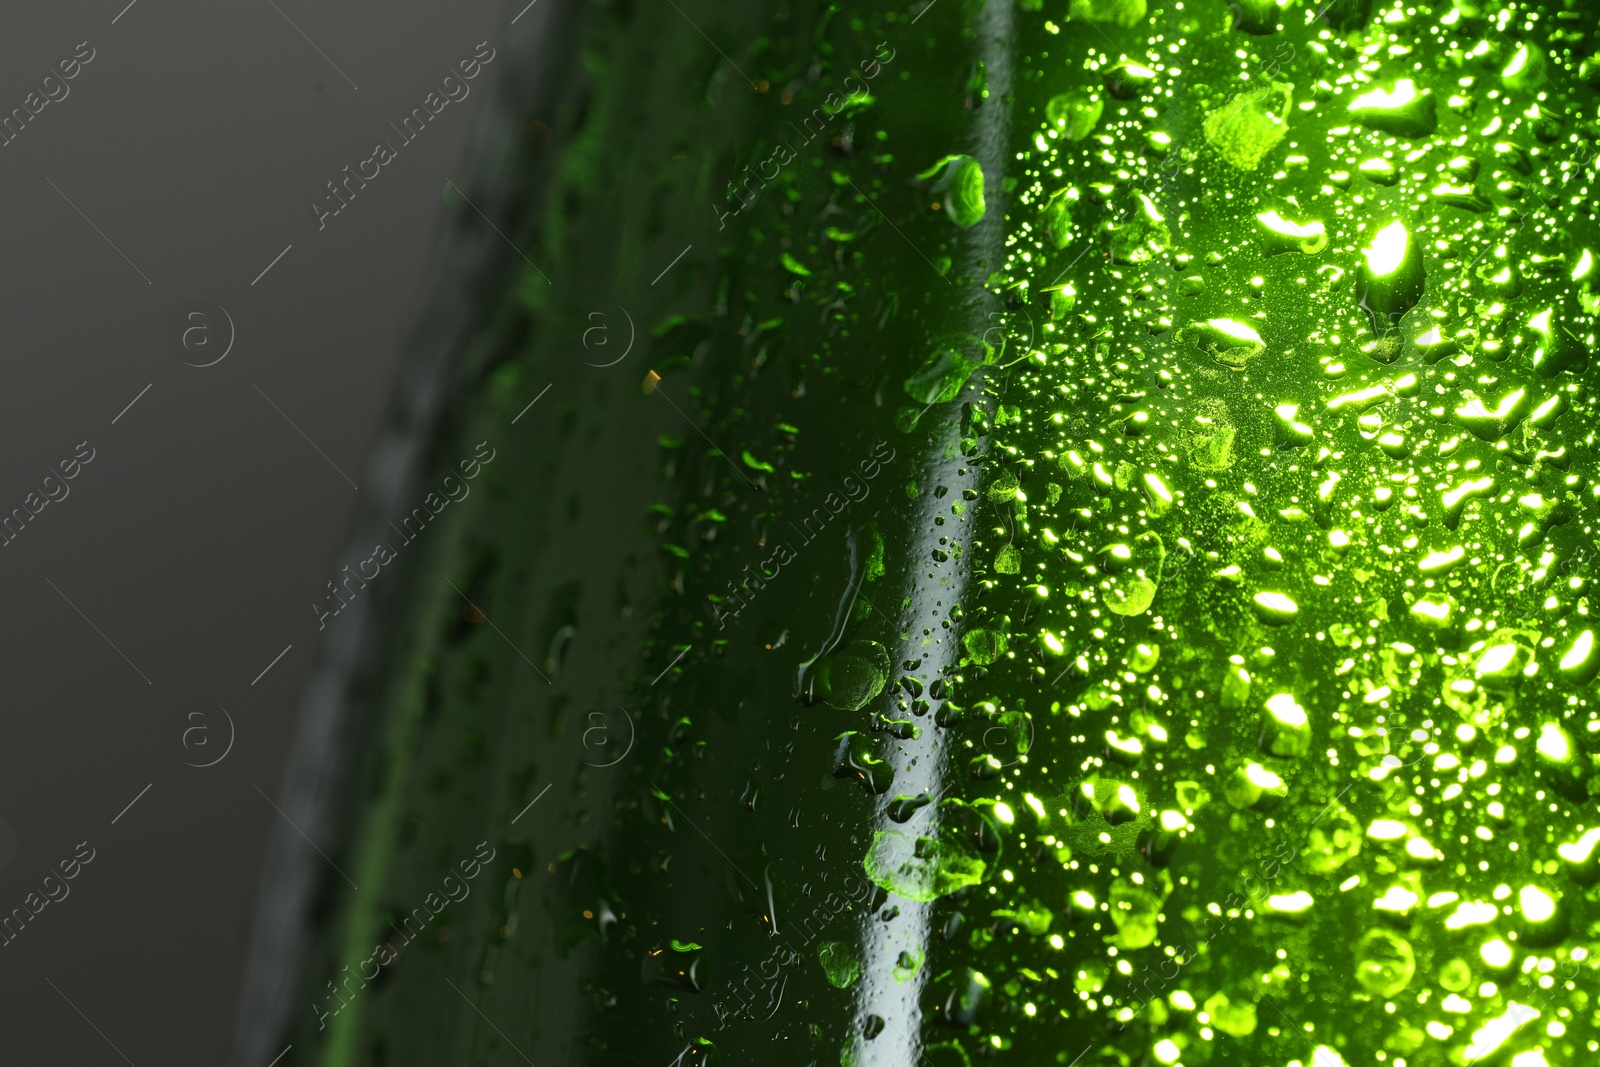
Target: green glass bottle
(1096, 572)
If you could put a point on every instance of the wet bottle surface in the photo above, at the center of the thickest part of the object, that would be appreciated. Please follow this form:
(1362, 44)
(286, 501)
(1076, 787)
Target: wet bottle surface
(1098, 572)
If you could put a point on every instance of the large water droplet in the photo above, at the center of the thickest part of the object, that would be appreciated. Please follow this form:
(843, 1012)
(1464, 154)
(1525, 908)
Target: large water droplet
(853, 675)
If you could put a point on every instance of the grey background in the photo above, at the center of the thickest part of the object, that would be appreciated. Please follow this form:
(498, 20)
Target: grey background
(198, 536)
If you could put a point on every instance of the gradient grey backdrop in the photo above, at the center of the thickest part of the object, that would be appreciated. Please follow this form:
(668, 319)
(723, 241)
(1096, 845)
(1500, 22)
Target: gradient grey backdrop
(199, 534)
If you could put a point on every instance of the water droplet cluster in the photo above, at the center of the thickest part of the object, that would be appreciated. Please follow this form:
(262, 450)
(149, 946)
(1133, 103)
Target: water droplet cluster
(1293, 576)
